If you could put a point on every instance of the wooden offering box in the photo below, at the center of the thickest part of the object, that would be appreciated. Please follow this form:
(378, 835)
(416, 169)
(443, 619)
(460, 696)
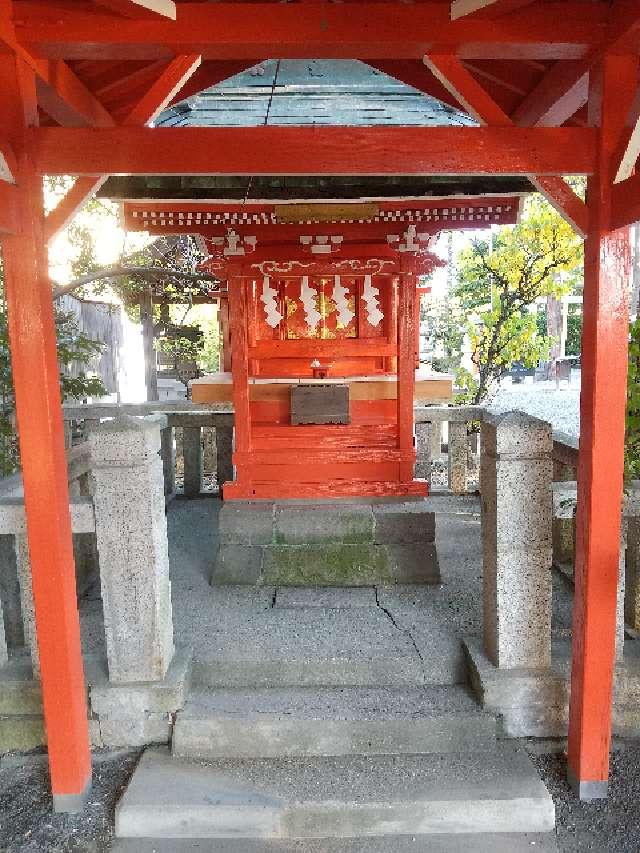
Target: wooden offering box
(320, 404)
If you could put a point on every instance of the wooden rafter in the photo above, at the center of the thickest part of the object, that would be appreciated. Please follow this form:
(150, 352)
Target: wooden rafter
(307, 150)
(8, 208)
(475, 100)
(558, 96)
(323, 30)
(164, 89)
(7, 164)
(467, 8)
(140, 8)
(65, 98)
(625, 203)
(172, 78)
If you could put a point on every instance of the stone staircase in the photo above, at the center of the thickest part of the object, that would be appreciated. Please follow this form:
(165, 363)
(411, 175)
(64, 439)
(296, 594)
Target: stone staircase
(325, 755)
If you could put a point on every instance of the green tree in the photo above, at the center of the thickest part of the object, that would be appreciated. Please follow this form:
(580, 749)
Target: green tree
(500, 278)
(74, 347)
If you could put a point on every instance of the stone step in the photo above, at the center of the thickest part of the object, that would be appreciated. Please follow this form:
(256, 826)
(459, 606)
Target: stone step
(21, 732)
(455, 843)
(496, 791)
(326, 647)
(268, 723)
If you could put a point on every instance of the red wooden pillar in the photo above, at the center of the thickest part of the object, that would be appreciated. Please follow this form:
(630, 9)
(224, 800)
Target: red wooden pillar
(406, 366)
(241, 488)
(44, 470)
(600, 469)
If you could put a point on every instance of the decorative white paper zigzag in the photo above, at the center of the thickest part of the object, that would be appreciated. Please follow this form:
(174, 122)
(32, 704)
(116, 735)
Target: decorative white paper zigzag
(345, 314)
(370, 295)
(268, 298)
(308, 296)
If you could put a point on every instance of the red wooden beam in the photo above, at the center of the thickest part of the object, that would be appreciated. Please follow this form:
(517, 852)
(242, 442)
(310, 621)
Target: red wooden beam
(558, 96)
(7, 164)
(36, 379)
(625, 203)
(140, 8)
(168, 84)
(475, 100)
(8, 209)
(562, 29)
(309, 150)
(601, 457)
(487, 8)
(64, 97)
(164, 89)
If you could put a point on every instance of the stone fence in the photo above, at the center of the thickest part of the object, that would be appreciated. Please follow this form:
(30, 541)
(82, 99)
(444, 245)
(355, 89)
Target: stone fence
(120, 474)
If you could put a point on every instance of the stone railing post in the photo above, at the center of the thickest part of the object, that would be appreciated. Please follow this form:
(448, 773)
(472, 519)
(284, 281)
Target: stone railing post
(458, 457)
(424, 450)
(168, 454)
(224, 453)
(131, 532)
(632, 587)
(516, 535)
(192, 454)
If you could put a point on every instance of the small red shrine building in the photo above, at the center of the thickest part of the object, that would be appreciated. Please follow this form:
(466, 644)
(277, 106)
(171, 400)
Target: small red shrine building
(322, 290)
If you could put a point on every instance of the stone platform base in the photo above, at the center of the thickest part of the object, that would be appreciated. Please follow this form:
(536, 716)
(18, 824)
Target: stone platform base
(535, 702)
(326, 543)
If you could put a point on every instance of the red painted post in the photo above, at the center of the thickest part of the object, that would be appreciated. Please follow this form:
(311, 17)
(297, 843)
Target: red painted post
(40, 427)
(240, 376)
(406, 364)
(600, 470)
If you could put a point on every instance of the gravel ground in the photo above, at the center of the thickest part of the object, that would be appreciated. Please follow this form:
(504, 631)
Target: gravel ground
(605, 826)
(27, 823)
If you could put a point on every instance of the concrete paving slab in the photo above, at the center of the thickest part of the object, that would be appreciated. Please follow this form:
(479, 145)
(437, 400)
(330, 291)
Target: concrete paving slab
(349, 721)
(459, 843)
(292, 596)
(350, 797)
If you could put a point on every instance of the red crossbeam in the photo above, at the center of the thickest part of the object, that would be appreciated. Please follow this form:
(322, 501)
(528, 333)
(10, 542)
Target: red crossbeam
(309, 150)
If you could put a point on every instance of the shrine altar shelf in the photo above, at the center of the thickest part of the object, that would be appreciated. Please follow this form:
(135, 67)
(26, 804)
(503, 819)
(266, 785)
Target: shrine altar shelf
(339, 335)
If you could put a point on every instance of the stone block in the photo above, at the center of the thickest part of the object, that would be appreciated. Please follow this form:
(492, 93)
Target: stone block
(330, 564)
(246, 523)
(157, 697)
(403, 523)
(305, 524)
(26, 600)
(237, 564)
(21, 733)
(563, 536)
(413, 562)
(632, 571)
(136, 729)
(458, 457)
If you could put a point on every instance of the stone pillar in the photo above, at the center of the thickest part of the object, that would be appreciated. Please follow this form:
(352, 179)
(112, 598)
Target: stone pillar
(168, 454)
(23, 566)
(192, 454)
(458, 457)
(224, 451)
(10, 592)
(423, 451)
(436, 439)
(131, 531)
(632, 572)
(516, 540)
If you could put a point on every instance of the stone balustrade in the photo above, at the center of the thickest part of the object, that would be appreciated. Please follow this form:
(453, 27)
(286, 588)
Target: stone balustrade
(118, 483)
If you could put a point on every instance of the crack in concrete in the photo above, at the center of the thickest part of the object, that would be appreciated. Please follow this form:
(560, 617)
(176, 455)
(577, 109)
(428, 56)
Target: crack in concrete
(404, 631)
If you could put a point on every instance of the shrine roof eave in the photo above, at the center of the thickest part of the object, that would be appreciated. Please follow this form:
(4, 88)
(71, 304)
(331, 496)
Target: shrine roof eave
(308, 188)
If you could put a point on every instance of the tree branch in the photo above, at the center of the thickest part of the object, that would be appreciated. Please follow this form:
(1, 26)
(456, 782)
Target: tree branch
(146, 273)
